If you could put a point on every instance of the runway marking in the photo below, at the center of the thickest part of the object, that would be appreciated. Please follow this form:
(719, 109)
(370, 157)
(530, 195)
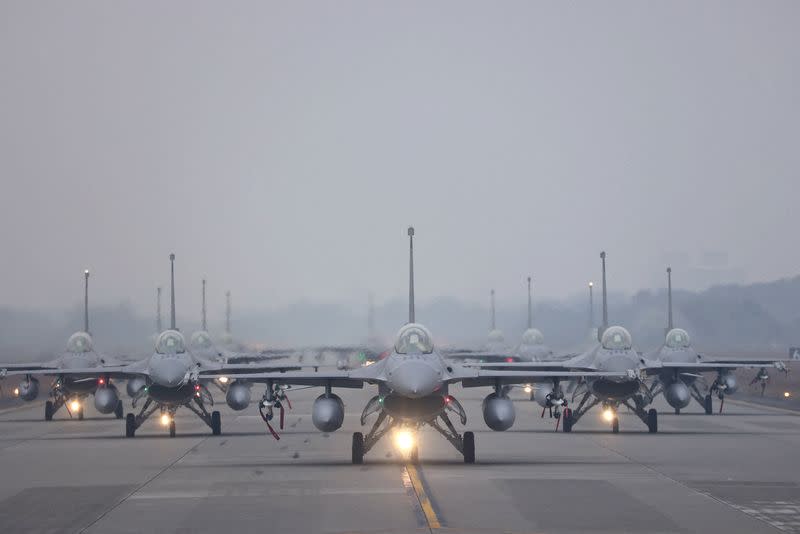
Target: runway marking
(412, 473)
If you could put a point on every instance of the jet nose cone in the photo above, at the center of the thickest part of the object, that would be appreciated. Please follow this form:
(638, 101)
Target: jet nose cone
(414, 379)
(168, 372)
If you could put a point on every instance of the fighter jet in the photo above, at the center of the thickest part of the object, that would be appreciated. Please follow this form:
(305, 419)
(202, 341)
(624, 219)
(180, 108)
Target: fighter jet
(70, 390)
(614, 353)
(170, 378)
(412, 391)
(677, 365)
(530, 349)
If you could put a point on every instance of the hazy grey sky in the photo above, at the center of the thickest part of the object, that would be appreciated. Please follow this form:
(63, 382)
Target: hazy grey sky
(282, 148)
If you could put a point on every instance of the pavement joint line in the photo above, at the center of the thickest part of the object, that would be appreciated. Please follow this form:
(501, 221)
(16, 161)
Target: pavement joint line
(142, 485)
(418, 485)
(678, 482)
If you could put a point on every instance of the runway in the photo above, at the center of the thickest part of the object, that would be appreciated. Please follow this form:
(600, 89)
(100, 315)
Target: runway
(730, 473)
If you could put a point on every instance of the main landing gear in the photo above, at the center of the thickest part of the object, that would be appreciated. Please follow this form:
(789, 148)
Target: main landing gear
(610, 414)
(465, 444)
(196, 405)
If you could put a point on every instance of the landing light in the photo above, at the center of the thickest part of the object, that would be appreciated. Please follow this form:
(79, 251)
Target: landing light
(165, 419)
(16, 392)
(786, 394)
(75, 406)
(368, 362)
(404, 440)
(528, 388)
(223, 379)
(608, 414)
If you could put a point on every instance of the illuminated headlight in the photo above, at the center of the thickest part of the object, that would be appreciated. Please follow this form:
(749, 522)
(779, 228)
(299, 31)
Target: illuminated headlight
(75, 406)
(786, 394)
(368, 362)
(16, 392)
(223, 380)
(608, 414)
(404, 440)
(527, 388)
(165, 419)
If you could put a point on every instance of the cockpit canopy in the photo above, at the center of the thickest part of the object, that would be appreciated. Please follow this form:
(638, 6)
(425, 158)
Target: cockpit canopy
(201, 340)
(616, 338)
(678, 338)
(79, 342)
(496, 336)
(414, 338)
(170, 342)
(532, 336)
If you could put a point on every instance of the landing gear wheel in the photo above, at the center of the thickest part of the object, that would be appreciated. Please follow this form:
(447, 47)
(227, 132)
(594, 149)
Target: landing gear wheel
(80, 413)
(533, 396)
(708, 405)
(567, 424)
(652, 421)
(358, 448)
(172, 428)
(469, 448)
(48, 411)
(118, 411)
(677, 411)
(615, 425)
(216, 423)
(130, 425)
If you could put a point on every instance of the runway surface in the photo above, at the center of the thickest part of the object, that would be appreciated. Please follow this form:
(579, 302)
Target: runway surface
(731, 473)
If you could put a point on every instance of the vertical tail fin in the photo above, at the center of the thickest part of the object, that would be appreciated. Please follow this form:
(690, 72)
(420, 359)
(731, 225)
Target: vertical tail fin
(159, 326)
(86, 301)
(172, 291)
(591, 306)
(605, 298)
(370, 316)
(530, 308)
(205, 325)
(411, 317)
(669, 299)
(228, 312)
(494, 325)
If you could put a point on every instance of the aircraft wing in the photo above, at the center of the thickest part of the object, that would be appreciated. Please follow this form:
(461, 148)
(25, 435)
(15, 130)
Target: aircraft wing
(111, 371)
(482, 356)
(494, 377)
(337, 379)
(214, 369)
(26, 368)
(655, 367)
(555, 366)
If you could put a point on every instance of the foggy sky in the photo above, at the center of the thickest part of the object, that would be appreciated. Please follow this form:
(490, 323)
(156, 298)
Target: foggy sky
(281, 149)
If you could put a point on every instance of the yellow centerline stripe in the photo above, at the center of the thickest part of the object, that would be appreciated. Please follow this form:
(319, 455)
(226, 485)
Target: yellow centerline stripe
(424, 501)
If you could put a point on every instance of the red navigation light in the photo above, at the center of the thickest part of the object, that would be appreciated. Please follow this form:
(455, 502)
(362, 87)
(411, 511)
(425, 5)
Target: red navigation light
(509, 359)
(101, 381)
(197, 387)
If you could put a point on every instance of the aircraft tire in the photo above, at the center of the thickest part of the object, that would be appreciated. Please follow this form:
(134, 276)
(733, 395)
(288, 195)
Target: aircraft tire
(80, 413)
(172, 428)
(615, 425)
(358, 448)
(130, 425)
(216, 423)
(652, 421)
(708, 405)
(567, 424)
(469, 448)
(119, 410)
(48, 411)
